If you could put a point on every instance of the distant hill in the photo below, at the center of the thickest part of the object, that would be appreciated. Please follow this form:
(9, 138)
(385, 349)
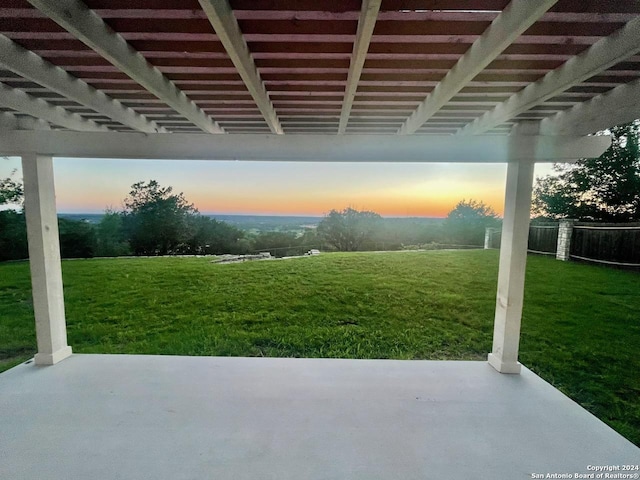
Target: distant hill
(268, 222)
(265, 222)
(82, 217)
(245, 222)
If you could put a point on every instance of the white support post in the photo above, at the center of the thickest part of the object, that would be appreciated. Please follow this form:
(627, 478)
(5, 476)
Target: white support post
(44, 259)
(488, 237)
(513, 257)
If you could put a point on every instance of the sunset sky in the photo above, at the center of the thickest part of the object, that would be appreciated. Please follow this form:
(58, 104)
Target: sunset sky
(280, 188)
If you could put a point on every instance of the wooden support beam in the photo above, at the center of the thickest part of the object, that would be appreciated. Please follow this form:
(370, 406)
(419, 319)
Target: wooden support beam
(599, 57)
(25, 103)
(516, 18)
(29, 65)
(513, 248)
(618, 106)
(316, 148)
(226, 26)
(85, 25)
(366, 23)
(313, 15)
(8, 121)
(44, 259)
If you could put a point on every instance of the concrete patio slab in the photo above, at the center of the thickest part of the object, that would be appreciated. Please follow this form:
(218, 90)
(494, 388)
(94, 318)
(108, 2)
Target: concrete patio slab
(162, 417)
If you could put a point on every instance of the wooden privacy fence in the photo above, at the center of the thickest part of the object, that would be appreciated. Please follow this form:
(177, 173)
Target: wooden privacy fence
(543, 239)
(612, 244)
(616, 244)
(492, 238)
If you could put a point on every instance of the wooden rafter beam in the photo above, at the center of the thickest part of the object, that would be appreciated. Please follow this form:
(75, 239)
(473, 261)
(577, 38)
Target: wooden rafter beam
(318, 38)
(596, 59)
(616, 107)
(515, 19)
(366, 24)
(8, 121)
(87, 26)
(226, 27)
(36, 107)
(29, 65)
(321, 15)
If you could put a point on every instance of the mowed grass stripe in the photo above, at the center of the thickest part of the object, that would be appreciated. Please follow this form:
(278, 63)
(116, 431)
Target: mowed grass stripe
(581, 327)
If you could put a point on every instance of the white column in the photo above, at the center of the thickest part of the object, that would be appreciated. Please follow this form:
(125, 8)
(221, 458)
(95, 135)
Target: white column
(513, 256)
(44, 259)
(488, 237)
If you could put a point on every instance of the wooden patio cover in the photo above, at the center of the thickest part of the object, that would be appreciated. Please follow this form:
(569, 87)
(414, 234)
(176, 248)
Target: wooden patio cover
(319, 67)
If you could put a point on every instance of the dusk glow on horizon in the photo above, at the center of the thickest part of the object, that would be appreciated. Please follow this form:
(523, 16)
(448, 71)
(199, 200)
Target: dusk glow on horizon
(280, 188)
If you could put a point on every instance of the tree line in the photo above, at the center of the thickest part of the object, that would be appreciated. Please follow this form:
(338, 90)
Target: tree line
(156, 221)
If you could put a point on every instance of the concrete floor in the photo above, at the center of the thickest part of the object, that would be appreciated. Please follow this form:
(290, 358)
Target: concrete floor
(160, 417)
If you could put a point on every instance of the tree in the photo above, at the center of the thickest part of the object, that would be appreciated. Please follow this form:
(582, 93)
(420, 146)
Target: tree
(349, 229)
(605, 188)
(77, 238)
(13, 236)
(466, 223)
(210, 236)
(279, 244)
(10, 190)
(156, 220)
(13, 229)
(111, 240)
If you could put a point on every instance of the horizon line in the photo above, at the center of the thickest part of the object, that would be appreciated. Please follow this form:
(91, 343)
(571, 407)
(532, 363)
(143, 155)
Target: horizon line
(265, 215)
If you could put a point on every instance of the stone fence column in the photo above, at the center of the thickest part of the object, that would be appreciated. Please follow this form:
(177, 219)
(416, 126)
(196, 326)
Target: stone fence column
(565, 228)
(488, 237)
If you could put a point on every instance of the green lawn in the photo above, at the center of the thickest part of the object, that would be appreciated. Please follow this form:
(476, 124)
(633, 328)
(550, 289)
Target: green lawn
(581, 327)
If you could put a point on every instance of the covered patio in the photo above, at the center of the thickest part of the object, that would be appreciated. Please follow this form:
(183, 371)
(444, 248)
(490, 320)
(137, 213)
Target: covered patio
(150, 417)
(484, 81)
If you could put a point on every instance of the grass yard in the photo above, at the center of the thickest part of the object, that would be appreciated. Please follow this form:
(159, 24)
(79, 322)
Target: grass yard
(581, 327)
